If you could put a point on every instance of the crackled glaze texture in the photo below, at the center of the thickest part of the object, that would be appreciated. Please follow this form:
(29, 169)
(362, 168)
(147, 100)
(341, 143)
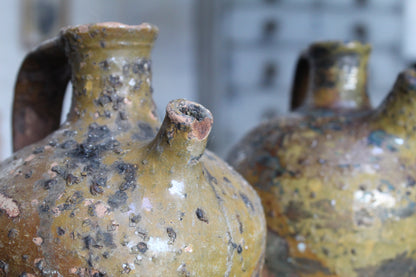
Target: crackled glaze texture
(337, 185)
(109, 193)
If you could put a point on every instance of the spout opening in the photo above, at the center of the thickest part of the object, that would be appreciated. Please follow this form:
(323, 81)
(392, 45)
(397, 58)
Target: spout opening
(193, 111)
(192, 116)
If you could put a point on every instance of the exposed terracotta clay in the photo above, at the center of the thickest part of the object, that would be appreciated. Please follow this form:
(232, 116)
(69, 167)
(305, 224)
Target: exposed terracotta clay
(9, 206)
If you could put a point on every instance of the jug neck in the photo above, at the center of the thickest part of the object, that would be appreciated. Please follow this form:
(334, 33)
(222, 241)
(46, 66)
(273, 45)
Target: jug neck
(111, 73)
(335, 74)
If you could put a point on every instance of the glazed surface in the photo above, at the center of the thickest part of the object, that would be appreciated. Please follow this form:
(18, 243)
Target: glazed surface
(338, 189)
(107, 206)
(114, 192)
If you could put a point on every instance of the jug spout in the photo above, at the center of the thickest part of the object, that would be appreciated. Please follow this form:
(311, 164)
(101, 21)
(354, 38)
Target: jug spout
(184, 132)
(396, 114)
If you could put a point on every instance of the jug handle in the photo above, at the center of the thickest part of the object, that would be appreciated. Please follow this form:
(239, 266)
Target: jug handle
(300, 82)
(39, 93)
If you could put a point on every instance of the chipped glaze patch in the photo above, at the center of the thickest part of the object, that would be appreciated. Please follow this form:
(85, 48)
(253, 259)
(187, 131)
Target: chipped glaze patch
(38, 241)
(377, 150)
(9, 206)
(158, 245)
(301, 247)
(147, 205)
(189, 249)
(30, 157)
(132, 82)
(177, 188)
(375, 198)
(101, 209)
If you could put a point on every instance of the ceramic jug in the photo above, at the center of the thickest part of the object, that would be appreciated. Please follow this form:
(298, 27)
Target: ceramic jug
(108, 192)
(336, 178)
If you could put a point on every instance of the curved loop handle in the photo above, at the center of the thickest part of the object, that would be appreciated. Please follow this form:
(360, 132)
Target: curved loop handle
(39, 93)
(300, 82)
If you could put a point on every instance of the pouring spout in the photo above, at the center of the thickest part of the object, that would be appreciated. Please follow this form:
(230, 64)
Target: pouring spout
(397, 112)
(184, 132)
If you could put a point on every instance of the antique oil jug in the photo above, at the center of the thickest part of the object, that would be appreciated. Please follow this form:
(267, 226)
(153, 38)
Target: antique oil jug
(109, 193)
(337, 179)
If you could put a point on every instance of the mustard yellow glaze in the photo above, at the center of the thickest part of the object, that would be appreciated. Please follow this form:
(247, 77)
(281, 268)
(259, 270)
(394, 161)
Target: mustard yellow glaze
(338, 187)
(112, 193)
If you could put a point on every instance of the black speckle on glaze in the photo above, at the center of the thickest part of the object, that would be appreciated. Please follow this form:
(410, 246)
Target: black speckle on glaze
(401, 265)
(69, 133)
(107, 239)
(309, 266)
(59, 170)
(39, 150)
(171, 234)
(68, 144)
(117, 199)
(145, 131)
(71, 179)
(211, 179)
(142, 247)
(40, 264)
(43, 208)
(240, 224)
(201, 215)
(97, 133)
(123, 115)
(103, 100)
(143, 66)
(28, 174)
(53, 143)
(126, 69)
(89, 242)
(377, 137)
(411, 182)
(134, 219)
(247, 201)
(96, 189)
(380, 138)
(104, 65)
(60, 231)
(129, 172)
(48, 184)
(12, 233)
(114, 81)
(4, 267)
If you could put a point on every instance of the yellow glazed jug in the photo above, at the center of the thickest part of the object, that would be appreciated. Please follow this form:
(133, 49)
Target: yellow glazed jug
(336, 178)
(108, 193)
